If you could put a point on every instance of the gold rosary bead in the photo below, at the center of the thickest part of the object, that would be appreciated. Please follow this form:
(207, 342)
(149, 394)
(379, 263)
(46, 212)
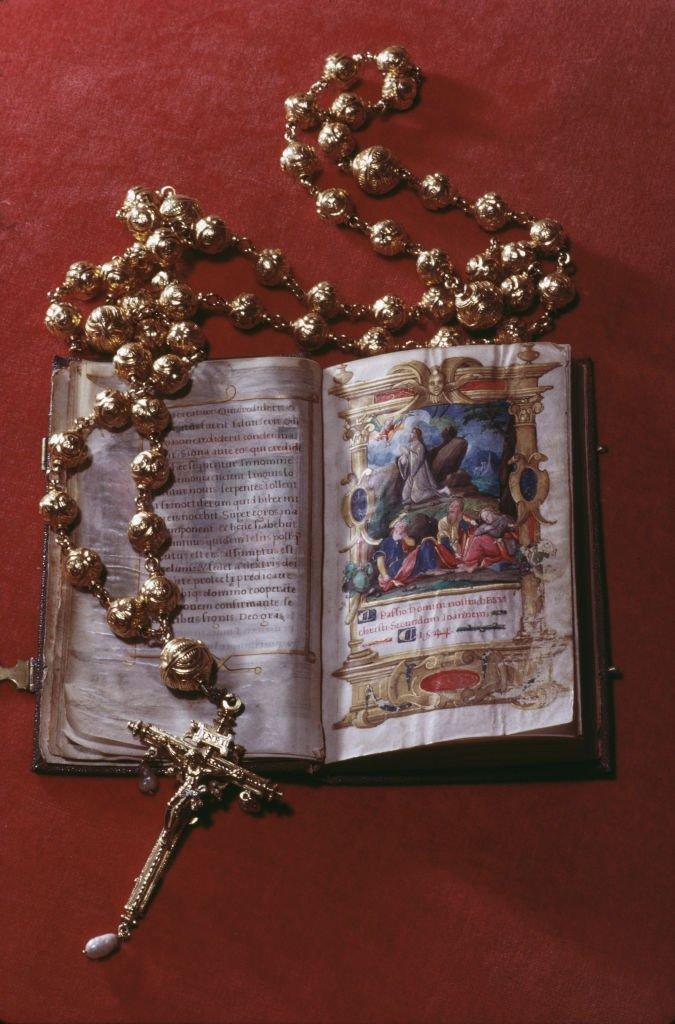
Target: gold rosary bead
(438, 303)
(132, 361)
(151, 467)
(112, 408)
(141, 220)
(375, 170)
(181, 213)
(82, 567)
(147, 533)
(159, 281)
(211, 235)
(349, 109)
(186, 665)
(388, 238)
(116, 277)
(512, 332)
(556, 289)
(393, 58)
(449, 337)
(246, 312)
(336, 140)
(299, 160)
(479, 305)
(483, 267)
(140, 194)
(399, 90)
(335, 204)
(516, 256)
(490, 211)
(165, 246)
(149, 415)
(127, 618)
(178, 301)
(159, 595)
(151, 333)
(170, 373)
(435, 192)
(68, 448)
(433, 266)
(374, 341)
(185, 338)
(547, 235)
(57, 508)
(140, 260)
(309, 331)
(83, 280)
(389, 312)
(338, 67)
(137, 307)
(300, 109)
(323, 300)
(62, 319)
(518, 291)
(270, 267)
(107, 328)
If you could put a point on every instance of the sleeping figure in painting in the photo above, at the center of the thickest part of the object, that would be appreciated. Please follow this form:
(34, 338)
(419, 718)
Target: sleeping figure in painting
(493, 544)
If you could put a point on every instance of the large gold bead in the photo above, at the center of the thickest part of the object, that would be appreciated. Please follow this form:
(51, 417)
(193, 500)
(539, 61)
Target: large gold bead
(116, 277)
(547, 235)
(340, 68)
(178, 301)
(449, 337)
(374, 341)
(181, 214)
(301, 110)
(141, 219)
(490, 211)
(140, 260)
(82, 567)
(299, 160)
(438, 302)
(516, 256)
(112, 408)
(150, 416)
(170, 373)
(185, 338)
(68, 448)
(512, 332)
(140, 194)
(390, 312)
(270, 267)
(433, 266)
(127, 617)
(58, 508)
(393, 58)
(83, 280)
(151, 333)
(186, 664)
(483, 267)
(518, 291)
(479, 305)
(147, 533)
(159, 282)
(435, 191)
(151, 468)
(336, 140)
(556, 289)
(159, 595)
(335, 204)
(137, 307)
(132, 361)
(212, 235)
(349, 109)
(399, 90)
(376, 170)
(246, 312)
(107, 328)
(62, 319)
(165, 246)
(388, 238)
(309, 331)
(322, 299)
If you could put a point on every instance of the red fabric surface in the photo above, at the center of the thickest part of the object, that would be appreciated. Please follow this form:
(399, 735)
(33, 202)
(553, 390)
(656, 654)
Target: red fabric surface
(520, 903)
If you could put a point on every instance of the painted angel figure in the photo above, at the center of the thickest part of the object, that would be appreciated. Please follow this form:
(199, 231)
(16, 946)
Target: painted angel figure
(419, 484)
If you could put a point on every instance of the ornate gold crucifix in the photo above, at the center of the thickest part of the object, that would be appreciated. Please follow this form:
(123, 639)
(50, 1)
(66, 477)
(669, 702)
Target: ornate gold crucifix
(206, 761)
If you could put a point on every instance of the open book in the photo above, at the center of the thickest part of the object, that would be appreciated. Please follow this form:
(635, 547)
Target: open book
(394, 561)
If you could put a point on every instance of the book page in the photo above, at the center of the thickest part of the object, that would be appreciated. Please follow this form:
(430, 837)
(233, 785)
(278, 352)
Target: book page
(244, 513)
(448, 579)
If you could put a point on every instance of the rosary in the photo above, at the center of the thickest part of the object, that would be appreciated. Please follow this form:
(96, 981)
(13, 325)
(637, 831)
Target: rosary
(148, 323)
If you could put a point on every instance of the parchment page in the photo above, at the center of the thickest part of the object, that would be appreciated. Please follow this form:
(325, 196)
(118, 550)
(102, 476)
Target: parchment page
(448, 580)
(244, 513)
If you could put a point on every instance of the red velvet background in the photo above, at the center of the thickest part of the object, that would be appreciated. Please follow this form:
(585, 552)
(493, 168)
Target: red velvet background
(514, 903)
